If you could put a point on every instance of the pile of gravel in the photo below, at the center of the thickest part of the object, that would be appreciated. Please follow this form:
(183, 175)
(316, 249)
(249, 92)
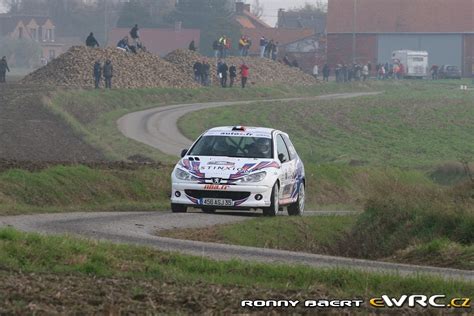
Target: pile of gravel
(263, 71)
(143, 70)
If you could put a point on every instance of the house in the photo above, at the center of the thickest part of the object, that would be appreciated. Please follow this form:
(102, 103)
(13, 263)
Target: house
(255, 28)
(159, 41)
(369, 30)
(302, 20)
(36, 28)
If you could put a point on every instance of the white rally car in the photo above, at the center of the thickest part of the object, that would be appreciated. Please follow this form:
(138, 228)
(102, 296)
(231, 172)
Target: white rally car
(240, 168)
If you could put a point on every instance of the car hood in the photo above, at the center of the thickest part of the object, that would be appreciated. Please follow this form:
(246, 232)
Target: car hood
(225, 167)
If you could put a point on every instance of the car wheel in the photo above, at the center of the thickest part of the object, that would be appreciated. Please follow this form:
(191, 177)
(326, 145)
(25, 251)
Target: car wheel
(297, 208)
(275, 204)
(209, 210)
(178, 208)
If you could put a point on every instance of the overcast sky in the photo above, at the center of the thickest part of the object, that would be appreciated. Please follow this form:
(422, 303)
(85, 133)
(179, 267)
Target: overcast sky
(271, 7)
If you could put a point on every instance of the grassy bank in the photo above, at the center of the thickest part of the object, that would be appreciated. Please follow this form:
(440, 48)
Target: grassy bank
(93, 114)
(413, 124)
(64, 258)
(80, 188)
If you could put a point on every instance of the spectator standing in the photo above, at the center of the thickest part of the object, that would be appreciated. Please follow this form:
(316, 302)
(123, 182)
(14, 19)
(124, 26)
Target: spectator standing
(223, 47)
(275, 51)
(3, 69)
(108, 74)
(192, 46)
(223, 70)
(402, 71)
(242, 44)
(269, 49)
(232, 75)
(244, 74)
(135, 34)
(97, 73)
(369, 67)
(215, 47)
(434, 72)
(205, 71)
(91, 41)
(365, 72)
(197, 71)
(345, 73)
(316, 71)
(326, 72)
(263, 46)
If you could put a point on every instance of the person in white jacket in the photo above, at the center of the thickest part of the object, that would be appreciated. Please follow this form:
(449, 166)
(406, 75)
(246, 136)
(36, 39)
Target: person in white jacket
(316, 71)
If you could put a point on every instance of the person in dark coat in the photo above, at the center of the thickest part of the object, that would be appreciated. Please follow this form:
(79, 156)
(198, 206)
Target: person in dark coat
(108, 74)
(205, 72)
(223, 70)
(232, 74)
(192, 46)
(135, 34)
(197, 68)
(326, 72)
(97, 73)
(3, 69)
(91, 41)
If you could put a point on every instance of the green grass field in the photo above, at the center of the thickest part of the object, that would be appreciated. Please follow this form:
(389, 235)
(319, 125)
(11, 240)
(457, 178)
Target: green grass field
(69, 257)
(412, 124)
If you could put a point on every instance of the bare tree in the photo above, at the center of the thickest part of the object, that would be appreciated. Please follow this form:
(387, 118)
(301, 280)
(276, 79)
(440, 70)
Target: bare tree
(257, 8)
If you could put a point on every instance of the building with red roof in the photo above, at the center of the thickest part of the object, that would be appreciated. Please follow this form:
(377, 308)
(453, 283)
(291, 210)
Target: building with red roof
(444, 28)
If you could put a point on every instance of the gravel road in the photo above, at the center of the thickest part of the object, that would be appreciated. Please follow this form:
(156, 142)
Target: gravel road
(141, 229)
(158, 127)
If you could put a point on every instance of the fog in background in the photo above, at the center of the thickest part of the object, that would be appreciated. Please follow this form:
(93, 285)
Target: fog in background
(271, 7)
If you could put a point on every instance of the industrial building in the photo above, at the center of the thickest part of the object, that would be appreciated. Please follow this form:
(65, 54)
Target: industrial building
(369, 30)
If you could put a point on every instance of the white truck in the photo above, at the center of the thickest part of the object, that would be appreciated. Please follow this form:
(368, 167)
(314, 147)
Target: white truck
(415, 63)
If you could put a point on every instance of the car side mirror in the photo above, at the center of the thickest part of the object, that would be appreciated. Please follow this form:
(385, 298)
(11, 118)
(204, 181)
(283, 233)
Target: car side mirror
(282, 158)
(184, 152)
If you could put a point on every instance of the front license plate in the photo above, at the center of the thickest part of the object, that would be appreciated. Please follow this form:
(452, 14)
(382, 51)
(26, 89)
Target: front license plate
(217, 202)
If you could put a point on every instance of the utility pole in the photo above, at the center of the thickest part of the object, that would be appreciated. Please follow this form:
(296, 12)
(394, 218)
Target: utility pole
(354, 30)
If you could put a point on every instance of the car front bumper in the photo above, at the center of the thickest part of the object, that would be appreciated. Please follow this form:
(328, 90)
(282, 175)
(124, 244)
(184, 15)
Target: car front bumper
(191, 194)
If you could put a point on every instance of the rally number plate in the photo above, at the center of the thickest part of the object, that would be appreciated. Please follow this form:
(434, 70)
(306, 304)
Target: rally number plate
(217, 202)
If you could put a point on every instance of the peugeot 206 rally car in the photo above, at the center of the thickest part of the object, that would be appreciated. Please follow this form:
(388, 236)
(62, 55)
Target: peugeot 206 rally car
(240, 168)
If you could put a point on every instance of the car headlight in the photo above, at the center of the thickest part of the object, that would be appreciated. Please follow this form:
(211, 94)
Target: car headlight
(184, 175)
(256, 177)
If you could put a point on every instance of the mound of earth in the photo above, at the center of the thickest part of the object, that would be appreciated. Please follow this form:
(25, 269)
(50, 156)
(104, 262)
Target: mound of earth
(143, 70)
(263, 71)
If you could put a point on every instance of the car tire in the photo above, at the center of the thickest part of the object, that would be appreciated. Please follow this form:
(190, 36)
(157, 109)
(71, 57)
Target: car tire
(297, 208)
(209, 210)
(178, 208)
(275, 202)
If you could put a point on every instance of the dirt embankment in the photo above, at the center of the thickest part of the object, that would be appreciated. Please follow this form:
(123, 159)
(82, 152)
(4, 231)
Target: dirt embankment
(145, 70)
(29, 132)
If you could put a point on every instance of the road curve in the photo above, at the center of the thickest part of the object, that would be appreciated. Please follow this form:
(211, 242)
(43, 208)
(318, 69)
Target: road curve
(158, 128)
(141, 229)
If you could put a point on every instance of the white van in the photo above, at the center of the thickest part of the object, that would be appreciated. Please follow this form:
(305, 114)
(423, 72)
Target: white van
(415, 63)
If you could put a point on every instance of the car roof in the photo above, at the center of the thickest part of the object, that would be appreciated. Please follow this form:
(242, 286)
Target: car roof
(240, 131)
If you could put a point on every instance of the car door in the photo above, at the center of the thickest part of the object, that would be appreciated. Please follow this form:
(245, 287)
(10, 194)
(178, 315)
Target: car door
(286, 170)
(293, 181)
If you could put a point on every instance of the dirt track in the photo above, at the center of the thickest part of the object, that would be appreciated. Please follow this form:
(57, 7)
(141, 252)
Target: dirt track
(158, 127)
(29, 132)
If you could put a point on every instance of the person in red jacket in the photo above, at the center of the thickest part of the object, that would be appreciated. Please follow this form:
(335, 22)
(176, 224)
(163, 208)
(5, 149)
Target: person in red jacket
(244, 73)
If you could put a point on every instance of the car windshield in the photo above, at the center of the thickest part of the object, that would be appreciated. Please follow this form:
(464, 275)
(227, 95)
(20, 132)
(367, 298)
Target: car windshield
(233, 146)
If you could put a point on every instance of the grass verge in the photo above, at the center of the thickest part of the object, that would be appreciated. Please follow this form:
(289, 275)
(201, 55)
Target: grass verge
(80, 188)
(67, 258)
